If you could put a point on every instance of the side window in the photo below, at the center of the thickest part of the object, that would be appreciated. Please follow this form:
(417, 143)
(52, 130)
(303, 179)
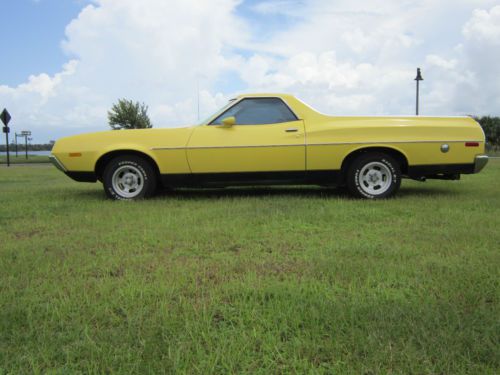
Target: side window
(258, 111)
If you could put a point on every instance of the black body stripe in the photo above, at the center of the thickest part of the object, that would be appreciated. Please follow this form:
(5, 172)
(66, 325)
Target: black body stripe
(319, 177)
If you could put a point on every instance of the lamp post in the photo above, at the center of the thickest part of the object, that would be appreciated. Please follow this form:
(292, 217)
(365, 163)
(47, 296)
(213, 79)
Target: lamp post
(418, 79)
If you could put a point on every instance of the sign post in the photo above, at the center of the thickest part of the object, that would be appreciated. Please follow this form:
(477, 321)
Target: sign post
(26, 134)
(5, 117)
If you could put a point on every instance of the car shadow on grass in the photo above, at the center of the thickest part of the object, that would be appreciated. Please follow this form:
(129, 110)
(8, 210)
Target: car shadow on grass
(425, 191)
(312, 192)
(241, 192)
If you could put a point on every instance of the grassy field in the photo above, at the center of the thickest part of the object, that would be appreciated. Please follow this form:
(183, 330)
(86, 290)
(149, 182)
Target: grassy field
(266, 281)
(21, 159)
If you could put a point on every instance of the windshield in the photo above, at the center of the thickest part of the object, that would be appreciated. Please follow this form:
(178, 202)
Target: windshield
(230, 103)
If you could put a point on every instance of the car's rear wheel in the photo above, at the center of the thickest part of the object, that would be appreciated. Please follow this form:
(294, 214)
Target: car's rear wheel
(129, 177)
(374, 176)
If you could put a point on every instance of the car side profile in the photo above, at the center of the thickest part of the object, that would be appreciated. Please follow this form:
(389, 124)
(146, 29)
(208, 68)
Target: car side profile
(270, 139)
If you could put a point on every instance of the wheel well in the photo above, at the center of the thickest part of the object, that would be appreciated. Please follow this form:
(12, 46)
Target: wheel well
(403, 162)
(106, 158)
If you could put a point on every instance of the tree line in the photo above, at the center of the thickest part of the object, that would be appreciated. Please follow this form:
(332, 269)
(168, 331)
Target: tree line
(31, 147)
(491, 128)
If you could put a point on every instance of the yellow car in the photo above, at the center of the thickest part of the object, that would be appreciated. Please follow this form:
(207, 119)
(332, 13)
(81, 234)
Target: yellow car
(276, 139)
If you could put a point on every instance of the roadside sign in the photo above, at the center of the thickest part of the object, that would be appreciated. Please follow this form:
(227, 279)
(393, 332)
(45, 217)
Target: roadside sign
(5, 117)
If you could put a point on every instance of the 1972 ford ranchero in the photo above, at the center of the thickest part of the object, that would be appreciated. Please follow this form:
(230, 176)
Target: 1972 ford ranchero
(276, 139)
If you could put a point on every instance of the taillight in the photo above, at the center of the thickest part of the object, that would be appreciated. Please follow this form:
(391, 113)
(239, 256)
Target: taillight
(471, 144)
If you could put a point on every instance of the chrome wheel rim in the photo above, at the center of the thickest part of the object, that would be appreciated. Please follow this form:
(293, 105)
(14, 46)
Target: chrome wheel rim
(128, 181)
(375, 178)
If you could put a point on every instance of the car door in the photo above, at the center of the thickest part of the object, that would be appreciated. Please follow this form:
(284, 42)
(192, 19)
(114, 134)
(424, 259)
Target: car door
(266, 137)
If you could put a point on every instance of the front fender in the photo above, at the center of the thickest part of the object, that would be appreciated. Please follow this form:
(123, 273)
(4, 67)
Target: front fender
(123, 148)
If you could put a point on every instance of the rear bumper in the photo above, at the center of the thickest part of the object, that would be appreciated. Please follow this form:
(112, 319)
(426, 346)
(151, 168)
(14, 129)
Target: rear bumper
(448, 171)
(480, 162)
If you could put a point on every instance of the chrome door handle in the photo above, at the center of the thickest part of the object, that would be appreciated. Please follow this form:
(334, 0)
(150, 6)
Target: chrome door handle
(291, 130)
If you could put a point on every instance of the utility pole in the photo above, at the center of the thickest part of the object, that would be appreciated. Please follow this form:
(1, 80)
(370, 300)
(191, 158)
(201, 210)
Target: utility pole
(418, 79)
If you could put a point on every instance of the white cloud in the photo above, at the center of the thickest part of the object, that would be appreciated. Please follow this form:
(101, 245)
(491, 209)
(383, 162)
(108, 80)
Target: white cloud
(341, 56)
(480, 54)
(277, 7)
(484, 26)
(469, 82)
(360, 57)
(434, 60)
(153, 51)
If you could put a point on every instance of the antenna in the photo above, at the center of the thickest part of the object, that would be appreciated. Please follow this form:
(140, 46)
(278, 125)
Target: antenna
(198, 93)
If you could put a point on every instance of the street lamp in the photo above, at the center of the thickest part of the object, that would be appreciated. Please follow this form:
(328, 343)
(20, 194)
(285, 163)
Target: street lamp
(418, 79)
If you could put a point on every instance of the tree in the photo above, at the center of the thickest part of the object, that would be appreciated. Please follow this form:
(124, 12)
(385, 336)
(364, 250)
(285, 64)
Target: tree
(129, 115)
(491, 127)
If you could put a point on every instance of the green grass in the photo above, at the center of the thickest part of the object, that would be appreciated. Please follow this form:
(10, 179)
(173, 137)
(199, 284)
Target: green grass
(266, 281)
(21, 159)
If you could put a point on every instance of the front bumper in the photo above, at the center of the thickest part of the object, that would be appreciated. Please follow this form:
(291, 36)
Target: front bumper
(57, 163)
(77, 176)
(480, 162)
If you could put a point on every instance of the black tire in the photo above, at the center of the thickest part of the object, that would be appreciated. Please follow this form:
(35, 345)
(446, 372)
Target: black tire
(373, 176)
(129, 177)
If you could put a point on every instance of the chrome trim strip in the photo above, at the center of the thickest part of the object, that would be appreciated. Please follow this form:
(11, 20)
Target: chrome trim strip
(480, 162)
(168, 148)
(302, 144)
(383, 142)
(209, 147)
(57, 163)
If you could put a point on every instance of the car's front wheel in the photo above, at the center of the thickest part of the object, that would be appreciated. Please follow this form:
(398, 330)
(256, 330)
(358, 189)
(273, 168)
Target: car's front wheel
(374, 176)
(129, 177)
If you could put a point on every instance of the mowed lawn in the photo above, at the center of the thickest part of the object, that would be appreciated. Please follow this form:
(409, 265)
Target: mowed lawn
(21, 159)
(254, 280)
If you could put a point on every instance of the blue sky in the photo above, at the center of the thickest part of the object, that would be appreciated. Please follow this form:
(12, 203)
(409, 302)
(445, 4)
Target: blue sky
(267, 23)
(32, 32)
(30, 35)
(65, 62)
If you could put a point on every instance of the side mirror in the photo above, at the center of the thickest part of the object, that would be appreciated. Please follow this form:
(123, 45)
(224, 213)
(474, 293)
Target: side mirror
(228, 122)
